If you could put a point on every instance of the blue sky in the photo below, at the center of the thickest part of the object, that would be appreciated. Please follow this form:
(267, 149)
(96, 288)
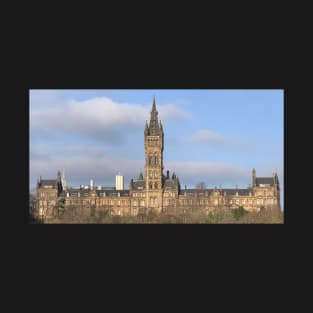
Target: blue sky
(215, 136)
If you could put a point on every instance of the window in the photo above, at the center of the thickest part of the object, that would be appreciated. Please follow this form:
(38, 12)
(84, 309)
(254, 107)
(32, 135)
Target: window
(259, 201)
(134, 203)
(142, 203)
(156, 185)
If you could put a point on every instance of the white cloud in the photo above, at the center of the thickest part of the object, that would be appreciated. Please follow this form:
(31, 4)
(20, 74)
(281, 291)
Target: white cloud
(170, 111)
(98, 118)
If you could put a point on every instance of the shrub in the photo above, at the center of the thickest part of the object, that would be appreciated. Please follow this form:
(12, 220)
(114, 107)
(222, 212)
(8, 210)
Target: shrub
(238, 212)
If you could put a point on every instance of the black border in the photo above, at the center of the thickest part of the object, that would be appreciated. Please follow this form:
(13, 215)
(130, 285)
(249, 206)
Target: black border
(129, 73)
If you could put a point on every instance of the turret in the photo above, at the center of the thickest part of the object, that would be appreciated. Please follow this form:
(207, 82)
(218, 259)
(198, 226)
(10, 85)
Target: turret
(59, 178)
(253, 178)
(59, 182)
(63, 181)
(146, 129)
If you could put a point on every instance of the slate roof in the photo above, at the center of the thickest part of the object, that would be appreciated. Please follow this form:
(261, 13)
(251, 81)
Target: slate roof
(264, 180)
(47, 182)
(139, 184)
(241, 191)
(88, 192)
(169, 183)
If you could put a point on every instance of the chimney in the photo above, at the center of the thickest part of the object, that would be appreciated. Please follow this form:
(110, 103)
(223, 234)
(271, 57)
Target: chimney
(119, 182)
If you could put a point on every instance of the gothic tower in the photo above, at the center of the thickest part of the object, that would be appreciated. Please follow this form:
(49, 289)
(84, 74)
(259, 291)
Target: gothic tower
(154, 141)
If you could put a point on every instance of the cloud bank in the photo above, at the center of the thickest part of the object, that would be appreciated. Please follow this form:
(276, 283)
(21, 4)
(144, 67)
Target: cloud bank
(96, 118)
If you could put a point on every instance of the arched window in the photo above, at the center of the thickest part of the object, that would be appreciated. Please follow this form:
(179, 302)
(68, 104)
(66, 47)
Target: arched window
(156, 160)
(150, 185)
(156, 185)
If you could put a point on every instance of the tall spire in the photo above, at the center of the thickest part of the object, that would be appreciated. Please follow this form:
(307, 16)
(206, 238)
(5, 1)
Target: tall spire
(153, 105)
(154, 123)
(59, 176)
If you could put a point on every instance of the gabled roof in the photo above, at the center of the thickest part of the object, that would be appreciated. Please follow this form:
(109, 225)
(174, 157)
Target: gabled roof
(264, 180)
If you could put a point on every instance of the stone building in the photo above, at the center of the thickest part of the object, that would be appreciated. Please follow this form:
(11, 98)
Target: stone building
(155, 191)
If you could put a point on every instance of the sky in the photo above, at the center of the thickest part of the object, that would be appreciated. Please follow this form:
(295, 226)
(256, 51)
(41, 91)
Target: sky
(214, 136)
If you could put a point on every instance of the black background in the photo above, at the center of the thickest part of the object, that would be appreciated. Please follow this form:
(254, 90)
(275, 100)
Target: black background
(234, 263)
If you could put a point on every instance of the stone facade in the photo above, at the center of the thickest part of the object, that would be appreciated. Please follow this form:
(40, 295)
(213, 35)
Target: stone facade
(156, 191)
